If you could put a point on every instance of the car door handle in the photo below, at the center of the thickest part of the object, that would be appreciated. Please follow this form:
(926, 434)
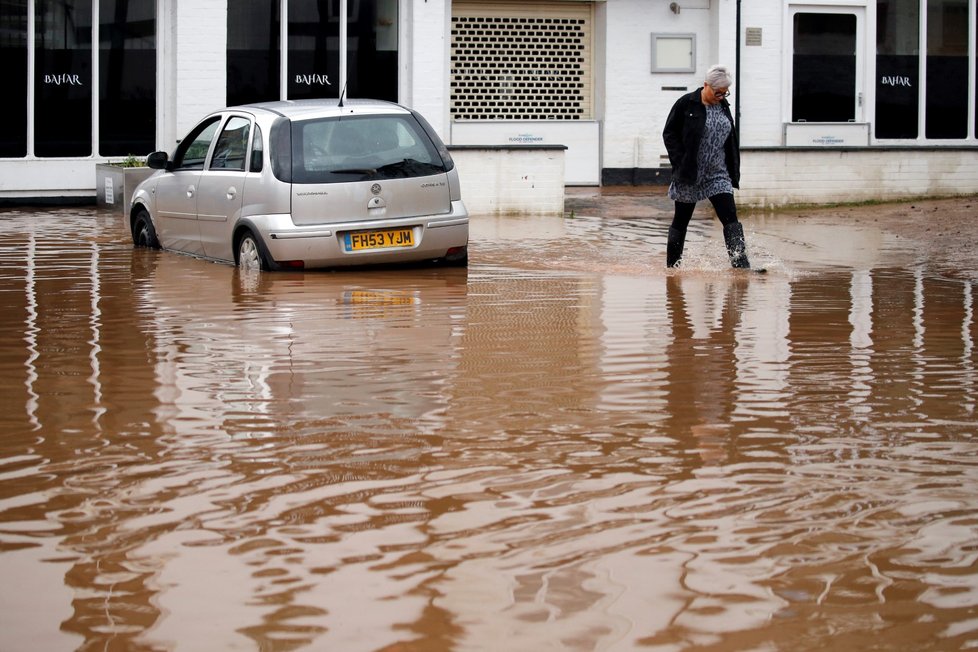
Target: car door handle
(190, 191)
(232, 192)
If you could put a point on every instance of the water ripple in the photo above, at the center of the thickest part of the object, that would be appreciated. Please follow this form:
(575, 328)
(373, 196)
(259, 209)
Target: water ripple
(564, 446)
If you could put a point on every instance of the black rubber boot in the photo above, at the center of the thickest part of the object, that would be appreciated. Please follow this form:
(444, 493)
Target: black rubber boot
(733, 234)
(674, 246)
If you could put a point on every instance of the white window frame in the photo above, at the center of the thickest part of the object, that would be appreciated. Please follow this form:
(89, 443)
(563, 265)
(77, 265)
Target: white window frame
(862, 55)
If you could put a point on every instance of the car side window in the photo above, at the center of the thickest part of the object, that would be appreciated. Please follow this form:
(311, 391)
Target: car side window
(232, 145)
(192, 151)
(257, 151)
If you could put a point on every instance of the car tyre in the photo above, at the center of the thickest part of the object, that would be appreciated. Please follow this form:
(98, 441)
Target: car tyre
(143, 233)
(250, 255)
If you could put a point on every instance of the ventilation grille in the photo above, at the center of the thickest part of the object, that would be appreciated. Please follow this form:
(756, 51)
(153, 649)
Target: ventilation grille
(520, 67)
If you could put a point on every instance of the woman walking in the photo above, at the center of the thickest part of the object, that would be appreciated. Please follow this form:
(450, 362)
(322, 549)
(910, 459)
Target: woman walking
(705, 156)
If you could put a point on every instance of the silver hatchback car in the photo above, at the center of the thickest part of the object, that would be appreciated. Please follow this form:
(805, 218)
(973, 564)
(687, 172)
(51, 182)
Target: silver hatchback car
(306, 184)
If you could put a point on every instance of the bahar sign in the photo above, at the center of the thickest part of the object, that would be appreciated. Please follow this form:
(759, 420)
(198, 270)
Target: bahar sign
(63, 79)
(313, 80)
(895, 80)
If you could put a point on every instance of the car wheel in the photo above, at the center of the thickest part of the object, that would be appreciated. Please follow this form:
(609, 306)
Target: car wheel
(143, 233)
(249, 253)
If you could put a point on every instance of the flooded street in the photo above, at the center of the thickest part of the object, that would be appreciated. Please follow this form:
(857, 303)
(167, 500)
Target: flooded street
(564, 447)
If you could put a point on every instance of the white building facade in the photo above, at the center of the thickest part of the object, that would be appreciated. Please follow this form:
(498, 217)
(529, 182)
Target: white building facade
(836, 100)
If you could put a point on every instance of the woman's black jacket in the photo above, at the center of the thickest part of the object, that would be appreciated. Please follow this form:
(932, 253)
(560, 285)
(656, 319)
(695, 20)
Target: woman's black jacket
(682, 135)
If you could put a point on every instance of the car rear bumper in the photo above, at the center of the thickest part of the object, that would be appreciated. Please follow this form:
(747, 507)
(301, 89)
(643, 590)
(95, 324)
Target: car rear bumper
(325, 245)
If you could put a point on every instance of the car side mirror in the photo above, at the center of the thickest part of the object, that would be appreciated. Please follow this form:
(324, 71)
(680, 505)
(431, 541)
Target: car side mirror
(158, 161)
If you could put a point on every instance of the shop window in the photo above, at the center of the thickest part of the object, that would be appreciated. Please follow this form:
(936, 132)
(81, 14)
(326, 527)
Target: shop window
(897, 68)
(947, 69)
(371, 49)
(63, 78)
(127, 77)
(824, 68)
(312, 50)
(253, 53)
(313, 55)
(901, 96)
(13, 52)
(61, 92)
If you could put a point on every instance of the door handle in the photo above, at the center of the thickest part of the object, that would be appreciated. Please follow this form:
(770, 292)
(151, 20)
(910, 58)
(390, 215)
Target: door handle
(190, 191)
(232, 193)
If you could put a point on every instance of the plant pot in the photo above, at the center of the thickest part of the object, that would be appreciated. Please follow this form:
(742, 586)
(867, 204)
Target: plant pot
(114, 186)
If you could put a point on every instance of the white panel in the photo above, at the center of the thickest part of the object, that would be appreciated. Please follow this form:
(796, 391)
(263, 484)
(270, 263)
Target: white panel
(511, 181)
(673, 52)
(826, 134)
(47, 177)
(580, 138)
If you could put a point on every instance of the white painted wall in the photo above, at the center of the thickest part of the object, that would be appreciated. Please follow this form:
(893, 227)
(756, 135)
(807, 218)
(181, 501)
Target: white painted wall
(761, 85)
(511, 181)
(635, 104)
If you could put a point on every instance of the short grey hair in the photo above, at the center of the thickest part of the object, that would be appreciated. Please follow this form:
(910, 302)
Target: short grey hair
(719, 77)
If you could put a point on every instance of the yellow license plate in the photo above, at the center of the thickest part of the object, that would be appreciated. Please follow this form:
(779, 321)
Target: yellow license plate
(378, 297)
(380, 239)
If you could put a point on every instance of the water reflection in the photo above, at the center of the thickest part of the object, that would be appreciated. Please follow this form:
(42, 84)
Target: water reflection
(564, 446)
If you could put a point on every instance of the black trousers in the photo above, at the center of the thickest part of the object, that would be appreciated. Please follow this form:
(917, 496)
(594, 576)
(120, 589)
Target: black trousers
(723, 204)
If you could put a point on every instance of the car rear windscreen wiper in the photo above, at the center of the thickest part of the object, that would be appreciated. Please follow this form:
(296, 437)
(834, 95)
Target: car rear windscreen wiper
(367, 171)
(410, 167)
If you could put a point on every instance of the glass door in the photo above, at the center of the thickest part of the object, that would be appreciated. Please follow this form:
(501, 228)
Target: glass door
(827, 64)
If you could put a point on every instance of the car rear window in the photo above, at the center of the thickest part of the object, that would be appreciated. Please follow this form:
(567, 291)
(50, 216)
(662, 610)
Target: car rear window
(360, 148)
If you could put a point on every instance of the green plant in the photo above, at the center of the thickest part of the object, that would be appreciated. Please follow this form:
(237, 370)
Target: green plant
(131, 161)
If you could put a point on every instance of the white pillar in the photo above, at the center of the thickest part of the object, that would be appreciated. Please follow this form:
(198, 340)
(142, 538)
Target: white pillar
(426, 51)
(196, 81)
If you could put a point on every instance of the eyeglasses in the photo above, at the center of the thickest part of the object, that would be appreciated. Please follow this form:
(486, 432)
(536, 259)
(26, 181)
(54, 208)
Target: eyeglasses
(719, 94)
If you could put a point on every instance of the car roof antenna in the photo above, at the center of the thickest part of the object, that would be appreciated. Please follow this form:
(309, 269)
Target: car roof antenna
(342, 95)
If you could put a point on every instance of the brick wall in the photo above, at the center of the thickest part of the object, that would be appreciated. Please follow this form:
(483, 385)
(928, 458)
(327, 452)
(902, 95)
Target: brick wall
(774, 177)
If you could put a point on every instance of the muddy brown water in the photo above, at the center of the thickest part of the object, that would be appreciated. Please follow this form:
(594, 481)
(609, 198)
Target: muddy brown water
(563, 447)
